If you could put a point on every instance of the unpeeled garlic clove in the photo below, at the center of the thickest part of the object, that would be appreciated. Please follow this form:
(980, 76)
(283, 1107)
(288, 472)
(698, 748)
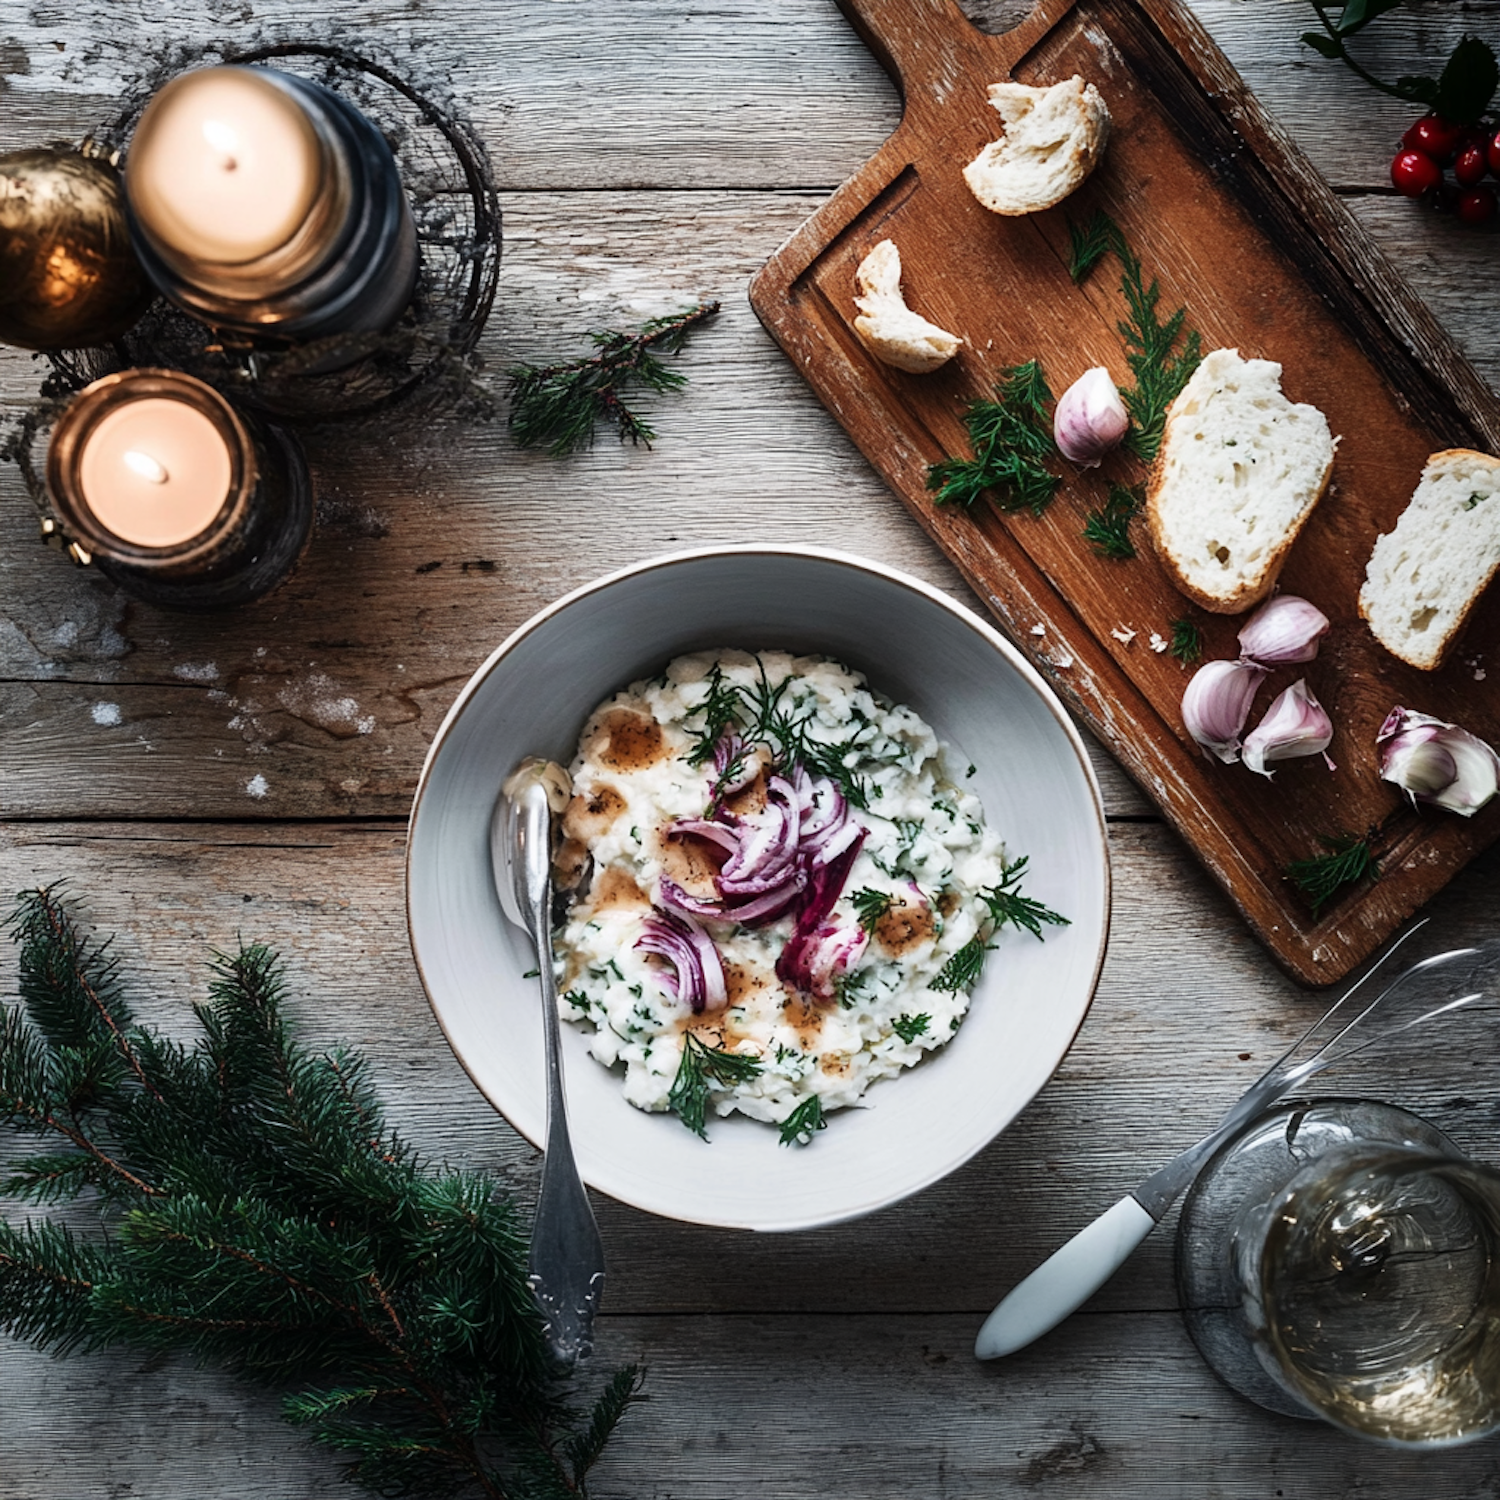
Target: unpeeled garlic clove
(1434, 761)
(1295, 724)
(1283, 631)
(1217, 703)
(1090, 419)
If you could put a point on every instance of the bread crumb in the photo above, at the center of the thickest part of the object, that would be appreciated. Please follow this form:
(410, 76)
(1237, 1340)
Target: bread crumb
(257, 786)
(108, 714)
(1159, 643)
(1124, 634)
(1064, 661)
(1038, 630)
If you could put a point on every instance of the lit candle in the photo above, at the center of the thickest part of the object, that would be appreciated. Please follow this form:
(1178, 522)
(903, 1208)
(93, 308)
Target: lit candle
(155, 472)
(177, 496)
(267, 204)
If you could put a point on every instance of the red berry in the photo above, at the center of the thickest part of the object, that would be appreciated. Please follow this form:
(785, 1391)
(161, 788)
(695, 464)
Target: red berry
(1492, 153)
(1414, 173)
(1434, 135)
(1470, 165)
(1478, 205)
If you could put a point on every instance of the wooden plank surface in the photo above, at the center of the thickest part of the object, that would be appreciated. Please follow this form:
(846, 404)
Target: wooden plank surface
(642, 165)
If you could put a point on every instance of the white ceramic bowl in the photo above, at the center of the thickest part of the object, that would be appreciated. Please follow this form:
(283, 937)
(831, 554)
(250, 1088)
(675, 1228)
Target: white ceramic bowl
(914, 645)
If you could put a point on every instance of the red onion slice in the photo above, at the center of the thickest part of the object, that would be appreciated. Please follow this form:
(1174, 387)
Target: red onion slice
(696, 974)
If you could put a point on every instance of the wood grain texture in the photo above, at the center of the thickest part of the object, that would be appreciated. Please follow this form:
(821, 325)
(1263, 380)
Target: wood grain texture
(649, 155)
(1214, 198)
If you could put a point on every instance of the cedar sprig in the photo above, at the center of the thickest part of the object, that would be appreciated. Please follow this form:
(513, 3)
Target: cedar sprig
(1322, 876)
(1107, 529)
(1186, 643)
(556, 407)
(255, 1210)
(1010, 436)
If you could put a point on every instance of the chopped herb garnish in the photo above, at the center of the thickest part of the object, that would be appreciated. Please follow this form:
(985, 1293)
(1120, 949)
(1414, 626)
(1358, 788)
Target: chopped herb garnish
(850, 989)
(532, 974)
(1187, 642)
(759, 715)
(970, 772)
(1010, 436)
(1474, 500)
(1108, 529)
(803, 1122)
(1321, 877)
(909, 1028)
(871, 906)
(1007, 904)
(701, 1068)
(577, 999)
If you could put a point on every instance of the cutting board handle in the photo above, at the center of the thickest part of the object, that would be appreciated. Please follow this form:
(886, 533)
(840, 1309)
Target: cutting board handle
(927, 45)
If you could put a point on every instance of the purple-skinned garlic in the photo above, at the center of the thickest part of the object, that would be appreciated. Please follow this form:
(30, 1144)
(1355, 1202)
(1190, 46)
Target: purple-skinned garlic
(1433, 761)
(1295, 724)
(1090, 419)
(1217, 703)
(1285, 630)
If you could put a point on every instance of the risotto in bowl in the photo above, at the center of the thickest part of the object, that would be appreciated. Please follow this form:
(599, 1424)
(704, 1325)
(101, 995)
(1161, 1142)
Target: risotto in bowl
(832, 885)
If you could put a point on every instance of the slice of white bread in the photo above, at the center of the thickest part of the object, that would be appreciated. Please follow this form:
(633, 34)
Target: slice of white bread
(1238, 473)
(1424, 577)
(1053, 139)
(887, 327)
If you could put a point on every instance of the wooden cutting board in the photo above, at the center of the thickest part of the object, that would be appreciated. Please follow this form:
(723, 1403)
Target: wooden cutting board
(1221, 207)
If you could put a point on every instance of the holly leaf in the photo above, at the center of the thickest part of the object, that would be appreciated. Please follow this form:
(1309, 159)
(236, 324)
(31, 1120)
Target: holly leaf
(1327, 46)
(1358, 14)
(1468, 82)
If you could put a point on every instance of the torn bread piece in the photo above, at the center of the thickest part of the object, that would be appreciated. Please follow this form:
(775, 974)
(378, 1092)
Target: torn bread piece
(1239, 471)
(1424, 577)
(886, 326)
(1053, 139)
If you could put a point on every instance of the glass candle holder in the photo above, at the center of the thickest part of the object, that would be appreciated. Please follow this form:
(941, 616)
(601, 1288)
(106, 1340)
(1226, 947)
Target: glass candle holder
(1342, 1260)
(174, 494)
(266, 204)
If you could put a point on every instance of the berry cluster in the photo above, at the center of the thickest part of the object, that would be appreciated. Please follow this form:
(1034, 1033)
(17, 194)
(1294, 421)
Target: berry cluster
(1433, 143)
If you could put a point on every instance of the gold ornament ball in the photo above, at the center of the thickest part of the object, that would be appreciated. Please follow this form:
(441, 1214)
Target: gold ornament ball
(68, 277)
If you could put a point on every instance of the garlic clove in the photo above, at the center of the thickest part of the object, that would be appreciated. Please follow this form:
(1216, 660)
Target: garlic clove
(1437, 762)
(1217, 703)
(1090, 419)
(1295, 724)
(1283, 631)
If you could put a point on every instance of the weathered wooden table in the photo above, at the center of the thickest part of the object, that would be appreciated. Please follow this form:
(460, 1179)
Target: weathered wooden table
(202, 778)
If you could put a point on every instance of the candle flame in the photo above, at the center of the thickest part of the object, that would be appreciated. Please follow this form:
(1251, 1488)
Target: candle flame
(146, 466)
(223, 138)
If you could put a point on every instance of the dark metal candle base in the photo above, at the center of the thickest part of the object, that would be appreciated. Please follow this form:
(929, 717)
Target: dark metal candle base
(274, 546)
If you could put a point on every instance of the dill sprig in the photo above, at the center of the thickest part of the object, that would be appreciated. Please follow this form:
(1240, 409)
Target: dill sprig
(1187, 642)
(1010, 436)
(804, 1122)
(870, 906)
(759, 715)
(1108, 529)
(701, 1068)
(1160, 374)
(1321, 877)
(909, 1028)
(556, 406)
(1090, 243)
(963, 968)
(1007, 905)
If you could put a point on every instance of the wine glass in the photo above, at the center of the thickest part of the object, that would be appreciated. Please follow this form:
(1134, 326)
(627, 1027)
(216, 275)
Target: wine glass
(1342, 1260)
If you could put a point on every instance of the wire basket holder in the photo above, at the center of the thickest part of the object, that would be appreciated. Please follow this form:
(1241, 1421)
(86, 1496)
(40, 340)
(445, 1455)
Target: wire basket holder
(427, 357)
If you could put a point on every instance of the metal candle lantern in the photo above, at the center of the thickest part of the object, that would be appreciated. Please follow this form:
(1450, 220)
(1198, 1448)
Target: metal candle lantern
(176, 496)
(266, 204)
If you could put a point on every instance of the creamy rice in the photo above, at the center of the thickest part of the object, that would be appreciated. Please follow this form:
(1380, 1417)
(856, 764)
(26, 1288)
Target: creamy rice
(646, 832)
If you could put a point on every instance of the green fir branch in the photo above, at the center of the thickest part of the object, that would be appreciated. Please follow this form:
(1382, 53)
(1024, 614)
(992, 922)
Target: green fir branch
(255, 1210)
(1089, 243)
(556, 407)
(1107, 529)
(1009, 437)
(804, 1122)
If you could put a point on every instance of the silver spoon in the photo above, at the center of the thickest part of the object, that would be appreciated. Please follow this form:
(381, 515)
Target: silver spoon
(567, 1256)
(1072, 1274)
